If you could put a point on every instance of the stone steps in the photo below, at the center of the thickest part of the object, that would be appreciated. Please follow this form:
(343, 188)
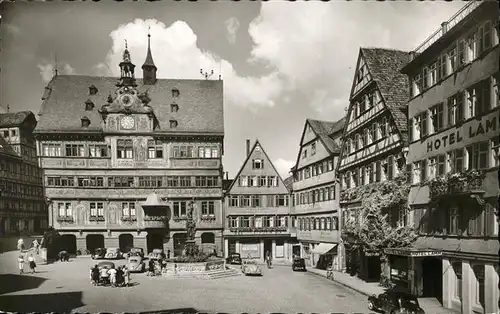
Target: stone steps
(216, 274)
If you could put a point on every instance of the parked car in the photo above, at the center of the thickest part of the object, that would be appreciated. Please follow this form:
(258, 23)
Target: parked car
(136, 264)
(250, 267)
(106, 264)
(113, 253)
(99, 253)
(156, 254)
(395, 302)
(234, 258)
(299, 263)
(135, 251)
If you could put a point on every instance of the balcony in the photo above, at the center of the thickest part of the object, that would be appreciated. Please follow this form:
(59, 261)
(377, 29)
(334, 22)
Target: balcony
(458, 183)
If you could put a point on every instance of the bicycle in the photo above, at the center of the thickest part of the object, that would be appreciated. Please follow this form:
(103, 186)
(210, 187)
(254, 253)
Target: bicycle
(329, 272)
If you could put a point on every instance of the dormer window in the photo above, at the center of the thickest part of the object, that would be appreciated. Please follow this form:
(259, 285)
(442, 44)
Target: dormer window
(89, 105)
(175, 93)
(174, 107)
(173, 124)
(92, 90)
(85, 122)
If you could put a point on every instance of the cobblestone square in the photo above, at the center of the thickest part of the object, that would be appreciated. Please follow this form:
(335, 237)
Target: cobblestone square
(65, 287)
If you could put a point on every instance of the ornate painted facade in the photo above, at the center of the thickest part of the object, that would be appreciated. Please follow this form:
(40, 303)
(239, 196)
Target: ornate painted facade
(316, 193)
(106, 144)
(22, 204)
(257, 210)
(454, 116)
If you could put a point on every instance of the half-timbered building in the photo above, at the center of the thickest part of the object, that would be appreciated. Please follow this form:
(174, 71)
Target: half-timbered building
(315, 192)
(374, 138)
(22, 204)
(124, 157)
(257, 210)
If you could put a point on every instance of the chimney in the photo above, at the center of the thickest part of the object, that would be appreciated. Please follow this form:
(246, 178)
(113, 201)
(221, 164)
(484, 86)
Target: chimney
(444, 28)
(248, 147)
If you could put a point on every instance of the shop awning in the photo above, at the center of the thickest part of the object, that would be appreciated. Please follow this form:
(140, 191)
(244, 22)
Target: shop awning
(413, 252)
(324, 248)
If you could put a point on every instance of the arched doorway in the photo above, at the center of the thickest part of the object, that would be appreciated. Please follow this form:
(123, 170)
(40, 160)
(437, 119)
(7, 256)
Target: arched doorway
(126, 242)
(179, 243)
(94, 241)
(68, 243)
(154, 241)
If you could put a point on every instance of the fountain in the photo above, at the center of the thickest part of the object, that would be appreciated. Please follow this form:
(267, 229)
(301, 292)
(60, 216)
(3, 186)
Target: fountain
(193, 263)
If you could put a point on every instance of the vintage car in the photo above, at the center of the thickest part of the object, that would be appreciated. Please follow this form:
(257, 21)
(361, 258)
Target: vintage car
(106, 264)
(395, 302)
(99, 253)
(113, 253)
(136, 264)
(250, 267)
(299, 263)
(234, 258)
(135, 251)
(156, 254)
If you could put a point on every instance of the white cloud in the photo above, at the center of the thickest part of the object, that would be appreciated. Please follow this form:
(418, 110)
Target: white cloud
(283, 167)
(47, 70)
(176, 55)
(232, 26)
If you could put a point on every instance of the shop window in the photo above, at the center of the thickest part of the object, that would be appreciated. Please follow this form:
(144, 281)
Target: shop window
(457, 268)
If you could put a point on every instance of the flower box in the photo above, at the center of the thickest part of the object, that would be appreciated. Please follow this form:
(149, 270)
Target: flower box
(208, 217)
(176, 219)
(65, 219)
(154, 218)
(96, 218)
(129, 218)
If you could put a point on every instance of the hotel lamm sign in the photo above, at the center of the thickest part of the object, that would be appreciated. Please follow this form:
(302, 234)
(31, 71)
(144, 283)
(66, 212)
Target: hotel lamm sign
(486, 126)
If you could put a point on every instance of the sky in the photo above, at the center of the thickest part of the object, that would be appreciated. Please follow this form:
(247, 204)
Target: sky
(281, 62)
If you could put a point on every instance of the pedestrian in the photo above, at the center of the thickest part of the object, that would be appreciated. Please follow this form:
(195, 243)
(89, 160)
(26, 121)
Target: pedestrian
(95, 275)
(126, 276)
(168, 254)
(104, 275)
(20, 244)
(36, 246)
(20, 262)
(119, 276)
(32, 264)
(151, 267)
(112, 276)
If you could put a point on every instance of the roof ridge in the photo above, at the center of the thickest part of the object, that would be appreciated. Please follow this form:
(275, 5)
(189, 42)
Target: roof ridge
(386, 49)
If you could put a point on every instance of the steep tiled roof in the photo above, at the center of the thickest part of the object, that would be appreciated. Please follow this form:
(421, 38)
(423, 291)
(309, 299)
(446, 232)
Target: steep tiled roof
(324, 129)
(13, 118)
(200, 104)
(384, 66)
(288, 183)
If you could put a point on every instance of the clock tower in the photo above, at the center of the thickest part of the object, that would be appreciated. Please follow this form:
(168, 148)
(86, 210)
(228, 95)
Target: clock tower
(128, 110)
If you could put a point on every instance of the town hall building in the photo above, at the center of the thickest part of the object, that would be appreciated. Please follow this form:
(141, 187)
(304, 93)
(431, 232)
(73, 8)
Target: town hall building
(124, 158)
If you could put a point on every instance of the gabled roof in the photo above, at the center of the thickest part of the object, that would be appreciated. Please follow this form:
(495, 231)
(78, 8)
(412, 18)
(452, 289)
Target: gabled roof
(246, 161)
(289, 183)
(200, 104)
(384, 66)
(11, 119)
(324, 130)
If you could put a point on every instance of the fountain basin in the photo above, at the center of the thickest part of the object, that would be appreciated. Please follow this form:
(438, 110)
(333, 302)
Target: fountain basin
(200, 270)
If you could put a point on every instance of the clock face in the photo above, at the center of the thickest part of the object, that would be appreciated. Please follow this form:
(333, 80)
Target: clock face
(126, 100)
(127, 122)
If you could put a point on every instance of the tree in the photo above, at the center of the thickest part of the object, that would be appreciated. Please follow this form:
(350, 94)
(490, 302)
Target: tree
(371, 228)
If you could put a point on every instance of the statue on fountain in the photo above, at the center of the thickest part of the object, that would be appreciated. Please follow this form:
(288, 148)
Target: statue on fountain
(191, 248)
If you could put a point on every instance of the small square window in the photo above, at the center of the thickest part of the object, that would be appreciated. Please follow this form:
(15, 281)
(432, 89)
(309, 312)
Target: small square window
(92, 90)
(5, 133)
(174, 108)
(13, 132)
(89, 105)
(173, 124)
(175, 93)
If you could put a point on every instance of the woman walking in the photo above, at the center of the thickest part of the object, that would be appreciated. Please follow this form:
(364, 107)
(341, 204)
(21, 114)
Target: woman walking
(20, 262)
(32, 264)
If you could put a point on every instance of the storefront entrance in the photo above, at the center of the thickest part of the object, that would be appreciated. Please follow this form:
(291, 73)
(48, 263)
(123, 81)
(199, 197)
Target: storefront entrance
(94, 241)
(268, 247)
(126, 242)
(154, 240)
(68, 243)
(432, 278)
